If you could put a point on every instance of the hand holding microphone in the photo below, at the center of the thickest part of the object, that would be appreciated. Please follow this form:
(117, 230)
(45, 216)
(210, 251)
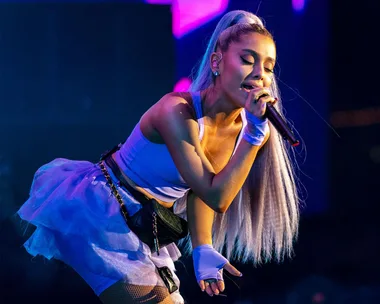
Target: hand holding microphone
(280, 125)
(257, 114)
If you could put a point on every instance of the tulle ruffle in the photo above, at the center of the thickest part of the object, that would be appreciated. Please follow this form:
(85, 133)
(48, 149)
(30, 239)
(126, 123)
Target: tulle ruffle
(79, 222)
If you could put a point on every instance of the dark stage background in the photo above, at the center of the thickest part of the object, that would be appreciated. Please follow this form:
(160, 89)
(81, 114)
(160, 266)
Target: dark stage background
(75, 78)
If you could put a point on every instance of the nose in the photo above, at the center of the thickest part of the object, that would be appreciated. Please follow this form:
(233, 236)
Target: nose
(258, 72)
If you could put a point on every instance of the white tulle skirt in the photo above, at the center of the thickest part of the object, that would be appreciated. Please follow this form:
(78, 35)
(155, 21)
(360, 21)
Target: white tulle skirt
(79, 222)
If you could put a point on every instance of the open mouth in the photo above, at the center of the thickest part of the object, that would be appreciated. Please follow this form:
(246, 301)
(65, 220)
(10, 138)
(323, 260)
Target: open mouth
(247, 87)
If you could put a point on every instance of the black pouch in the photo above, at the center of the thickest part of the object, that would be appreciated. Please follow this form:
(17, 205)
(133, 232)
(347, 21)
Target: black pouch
(167, 277)
(154, 224)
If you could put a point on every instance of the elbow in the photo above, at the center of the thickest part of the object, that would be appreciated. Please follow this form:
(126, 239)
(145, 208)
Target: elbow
(223, 206)
(218, 205)
(221, 209)
(214, 201)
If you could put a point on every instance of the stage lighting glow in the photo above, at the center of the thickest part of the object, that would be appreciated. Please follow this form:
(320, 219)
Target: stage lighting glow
(182, 85)
(298, 5)
(162, 2)
(189, 14)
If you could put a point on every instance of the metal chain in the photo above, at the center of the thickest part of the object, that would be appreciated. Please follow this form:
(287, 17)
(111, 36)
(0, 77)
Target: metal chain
(123, 208)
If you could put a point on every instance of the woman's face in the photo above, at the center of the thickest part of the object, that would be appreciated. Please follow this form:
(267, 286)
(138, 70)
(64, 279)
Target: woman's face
(246, 64)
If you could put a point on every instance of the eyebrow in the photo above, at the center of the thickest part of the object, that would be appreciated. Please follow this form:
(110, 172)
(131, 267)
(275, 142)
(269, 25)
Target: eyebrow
(253, 53)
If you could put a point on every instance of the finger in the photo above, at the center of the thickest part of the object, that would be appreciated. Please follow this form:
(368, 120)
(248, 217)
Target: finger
(215, 288)
(221, 285)
(262, 104)
(232, 270)
(201, 284)
(261, 107)
(208, 289)
(257, 99)
(260, 93)
(264, 99)
(251, 97)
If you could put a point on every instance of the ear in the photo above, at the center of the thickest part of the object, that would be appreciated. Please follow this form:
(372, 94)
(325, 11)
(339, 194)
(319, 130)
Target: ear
(215, 60)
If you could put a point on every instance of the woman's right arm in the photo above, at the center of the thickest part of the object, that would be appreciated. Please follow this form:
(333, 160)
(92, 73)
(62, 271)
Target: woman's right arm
(175, 123)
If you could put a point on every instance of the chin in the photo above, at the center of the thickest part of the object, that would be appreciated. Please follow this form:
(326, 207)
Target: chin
(238, 97)
(241, 98)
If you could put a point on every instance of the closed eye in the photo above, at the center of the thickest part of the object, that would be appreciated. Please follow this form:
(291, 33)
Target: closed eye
(245, 61)
(269, 70)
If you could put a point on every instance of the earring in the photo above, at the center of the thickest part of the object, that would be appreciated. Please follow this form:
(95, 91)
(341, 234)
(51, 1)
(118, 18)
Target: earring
(216, 73)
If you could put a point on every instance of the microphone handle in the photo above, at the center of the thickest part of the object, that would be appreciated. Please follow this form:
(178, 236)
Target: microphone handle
(281, 126)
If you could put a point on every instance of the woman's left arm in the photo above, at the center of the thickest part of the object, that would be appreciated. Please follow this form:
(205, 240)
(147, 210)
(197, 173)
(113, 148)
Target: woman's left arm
(208, 263)
(200, 218)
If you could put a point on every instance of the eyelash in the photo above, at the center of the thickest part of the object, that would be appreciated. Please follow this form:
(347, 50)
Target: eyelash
(248, 62)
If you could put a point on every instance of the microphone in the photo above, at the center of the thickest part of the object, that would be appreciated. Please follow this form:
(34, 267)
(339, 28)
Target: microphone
(281, 126)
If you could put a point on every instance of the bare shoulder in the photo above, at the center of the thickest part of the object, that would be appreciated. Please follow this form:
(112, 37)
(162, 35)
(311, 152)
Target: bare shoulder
(173, 113)
(174, 104)
(172, 110)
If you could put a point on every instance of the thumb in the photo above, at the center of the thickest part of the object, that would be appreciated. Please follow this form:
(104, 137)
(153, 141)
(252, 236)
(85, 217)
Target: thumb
(232, 270)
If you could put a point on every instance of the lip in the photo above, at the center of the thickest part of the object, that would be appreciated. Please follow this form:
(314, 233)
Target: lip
(252, 84)
(245, 85)
(245, 89)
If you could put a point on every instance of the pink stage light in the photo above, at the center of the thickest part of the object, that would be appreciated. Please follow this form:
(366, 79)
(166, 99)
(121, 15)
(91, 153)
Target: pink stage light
(298, 5)
(162, 2)
(182, 85)
(191, 14)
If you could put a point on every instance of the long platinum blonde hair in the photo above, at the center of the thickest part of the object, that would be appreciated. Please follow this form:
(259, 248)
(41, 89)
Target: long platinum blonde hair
(262, 221)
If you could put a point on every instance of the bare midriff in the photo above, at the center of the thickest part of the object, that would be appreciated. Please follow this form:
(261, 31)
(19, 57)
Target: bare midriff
(143, 191)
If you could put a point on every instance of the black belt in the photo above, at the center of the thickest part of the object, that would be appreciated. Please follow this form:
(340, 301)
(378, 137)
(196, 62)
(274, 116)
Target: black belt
(141, 198)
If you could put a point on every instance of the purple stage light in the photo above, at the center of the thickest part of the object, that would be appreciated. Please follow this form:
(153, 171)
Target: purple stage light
(191, 14)
(182, 85)
(298, 5)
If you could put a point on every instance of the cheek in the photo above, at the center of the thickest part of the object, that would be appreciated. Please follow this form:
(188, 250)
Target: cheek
(237, 75)
(268, 81)
(233, 68)
(232, 75)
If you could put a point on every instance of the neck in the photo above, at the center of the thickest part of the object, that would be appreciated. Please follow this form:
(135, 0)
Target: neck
(218, 108)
